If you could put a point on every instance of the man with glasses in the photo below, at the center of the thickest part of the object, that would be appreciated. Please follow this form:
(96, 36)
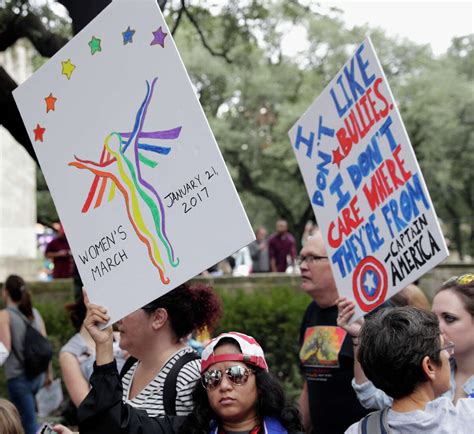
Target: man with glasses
(412, 366)
(328, 402)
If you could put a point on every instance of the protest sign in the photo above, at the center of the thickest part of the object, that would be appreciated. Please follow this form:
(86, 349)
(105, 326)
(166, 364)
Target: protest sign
(365, 185)
(134, 170)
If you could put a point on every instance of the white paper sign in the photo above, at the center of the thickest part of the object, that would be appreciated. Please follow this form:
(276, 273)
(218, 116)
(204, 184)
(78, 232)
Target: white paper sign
(365, 185)
(133, 167)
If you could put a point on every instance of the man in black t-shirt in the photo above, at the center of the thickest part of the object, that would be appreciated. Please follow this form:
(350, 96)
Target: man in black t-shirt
(328, 402)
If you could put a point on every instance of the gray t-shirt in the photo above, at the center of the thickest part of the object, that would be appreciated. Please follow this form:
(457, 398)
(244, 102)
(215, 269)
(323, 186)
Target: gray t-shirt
(440, 416)
(85, 356)
(14, 365)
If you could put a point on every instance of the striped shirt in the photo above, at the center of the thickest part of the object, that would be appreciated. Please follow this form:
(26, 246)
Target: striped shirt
(151, 397)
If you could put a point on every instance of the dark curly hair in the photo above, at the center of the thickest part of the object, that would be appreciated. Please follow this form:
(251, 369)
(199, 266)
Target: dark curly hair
(271, 402)
(190, 307)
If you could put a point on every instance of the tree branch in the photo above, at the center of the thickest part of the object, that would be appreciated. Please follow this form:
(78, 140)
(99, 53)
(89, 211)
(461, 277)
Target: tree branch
(83, 12)
(222, 54)
(247, 183)
(30, 26)
(10, 116)
(177, 21)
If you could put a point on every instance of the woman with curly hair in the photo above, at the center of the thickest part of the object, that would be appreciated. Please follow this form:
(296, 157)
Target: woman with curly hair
(155, 336)
(236, 393)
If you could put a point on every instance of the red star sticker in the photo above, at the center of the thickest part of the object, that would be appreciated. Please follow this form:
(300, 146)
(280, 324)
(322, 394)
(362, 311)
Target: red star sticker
(39, 131)
(50, 100)
(337, 157)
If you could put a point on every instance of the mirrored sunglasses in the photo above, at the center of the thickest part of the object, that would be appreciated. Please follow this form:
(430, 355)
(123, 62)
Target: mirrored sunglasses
(237, 375)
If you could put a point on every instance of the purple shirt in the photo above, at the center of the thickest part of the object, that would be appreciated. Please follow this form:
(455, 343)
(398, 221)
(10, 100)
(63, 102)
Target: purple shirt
(62, 264)
(279, 247)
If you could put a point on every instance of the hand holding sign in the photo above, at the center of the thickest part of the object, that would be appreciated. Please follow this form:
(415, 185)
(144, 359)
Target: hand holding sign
(96, 319)
(134, 170)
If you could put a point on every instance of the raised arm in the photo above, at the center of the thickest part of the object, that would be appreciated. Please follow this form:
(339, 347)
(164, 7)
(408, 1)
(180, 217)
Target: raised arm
(104, 340)
(5, 335)
(304, 409)
(77, 386)
(367, 394)
(103, 410)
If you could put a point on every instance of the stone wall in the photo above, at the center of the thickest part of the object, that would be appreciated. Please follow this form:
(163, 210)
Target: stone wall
(61, 291)
(18, 245)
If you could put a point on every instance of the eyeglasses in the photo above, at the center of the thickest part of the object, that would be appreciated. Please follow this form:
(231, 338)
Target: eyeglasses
(449, 347)
(462, 280)
(237, 374)
(309, 259)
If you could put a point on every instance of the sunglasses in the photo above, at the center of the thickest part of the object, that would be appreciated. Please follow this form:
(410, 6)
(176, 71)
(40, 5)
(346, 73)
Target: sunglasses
(237, 375)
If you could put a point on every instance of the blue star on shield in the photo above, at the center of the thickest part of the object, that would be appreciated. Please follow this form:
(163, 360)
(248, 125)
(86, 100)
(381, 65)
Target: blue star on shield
(370, 282)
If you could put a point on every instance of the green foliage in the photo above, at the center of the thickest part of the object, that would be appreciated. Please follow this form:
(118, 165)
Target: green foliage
(252, 102)
(57, 323)
(252, 93)
(273, 318)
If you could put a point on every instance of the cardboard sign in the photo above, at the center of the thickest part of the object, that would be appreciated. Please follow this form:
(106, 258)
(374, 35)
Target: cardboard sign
(133, 167)
(365, 185)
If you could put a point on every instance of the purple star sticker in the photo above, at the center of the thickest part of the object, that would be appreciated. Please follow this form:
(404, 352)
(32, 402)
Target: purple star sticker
(159, 37)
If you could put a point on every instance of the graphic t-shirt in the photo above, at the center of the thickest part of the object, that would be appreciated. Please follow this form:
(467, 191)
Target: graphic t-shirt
(327, 363)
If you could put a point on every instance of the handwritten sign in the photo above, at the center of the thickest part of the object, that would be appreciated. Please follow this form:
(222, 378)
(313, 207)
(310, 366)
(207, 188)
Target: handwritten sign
(365, 185)
(134, 170)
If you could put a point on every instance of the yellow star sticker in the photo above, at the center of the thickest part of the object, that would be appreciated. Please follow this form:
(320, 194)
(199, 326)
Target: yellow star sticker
(68, 67)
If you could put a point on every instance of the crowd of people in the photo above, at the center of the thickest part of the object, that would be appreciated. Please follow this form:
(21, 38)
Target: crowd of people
(267, 254)
(400, 369)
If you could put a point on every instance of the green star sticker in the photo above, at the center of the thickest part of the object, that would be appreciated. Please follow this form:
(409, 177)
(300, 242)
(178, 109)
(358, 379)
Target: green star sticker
(94, 43)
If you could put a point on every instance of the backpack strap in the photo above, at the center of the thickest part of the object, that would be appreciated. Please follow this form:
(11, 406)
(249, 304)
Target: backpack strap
(127, 365)
(28, 324)
(375, 423)
(20, 314)
(169, 389)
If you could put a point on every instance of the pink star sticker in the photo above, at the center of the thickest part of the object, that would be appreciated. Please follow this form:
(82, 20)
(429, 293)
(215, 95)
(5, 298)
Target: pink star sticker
(159, 37)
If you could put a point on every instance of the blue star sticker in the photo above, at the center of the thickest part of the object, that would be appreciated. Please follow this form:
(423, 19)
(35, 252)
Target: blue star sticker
(370, 283)
(128, 36)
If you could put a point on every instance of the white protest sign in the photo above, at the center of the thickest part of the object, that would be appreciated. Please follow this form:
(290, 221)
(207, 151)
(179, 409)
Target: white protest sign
(133, 167)
(365, 185)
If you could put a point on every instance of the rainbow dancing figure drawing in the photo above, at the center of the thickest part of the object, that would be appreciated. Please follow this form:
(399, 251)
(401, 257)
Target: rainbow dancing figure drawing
(122, 170)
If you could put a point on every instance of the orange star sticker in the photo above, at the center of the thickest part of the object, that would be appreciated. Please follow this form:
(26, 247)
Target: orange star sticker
(50, 100)
(337, 157)
(39, 131)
